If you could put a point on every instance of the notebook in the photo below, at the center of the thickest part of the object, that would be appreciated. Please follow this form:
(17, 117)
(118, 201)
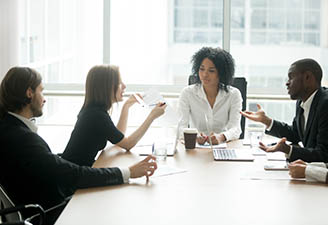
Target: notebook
(220, 154)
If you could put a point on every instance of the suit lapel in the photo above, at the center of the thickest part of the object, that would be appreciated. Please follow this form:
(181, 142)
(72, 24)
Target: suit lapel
(311, 115)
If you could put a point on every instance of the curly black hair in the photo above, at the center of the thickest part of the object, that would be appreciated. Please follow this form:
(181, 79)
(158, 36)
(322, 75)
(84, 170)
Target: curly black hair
(223, 61)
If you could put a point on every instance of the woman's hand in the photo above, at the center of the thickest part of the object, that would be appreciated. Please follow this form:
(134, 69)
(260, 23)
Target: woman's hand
(131, 100)
(201, 138)
(158, 110)
(217, 139)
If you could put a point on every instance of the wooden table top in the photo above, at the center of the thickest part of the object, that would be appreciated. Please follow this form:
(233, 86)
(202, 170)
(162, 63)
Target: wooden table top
(209, 192)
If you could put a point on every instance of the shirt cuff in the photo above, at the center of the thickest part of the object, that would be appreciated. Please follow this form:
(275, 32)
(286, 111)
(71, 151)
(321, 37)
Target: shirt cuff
(226, 135)
(125, 174)
(318, 164)
(315, 173)
(270, 127)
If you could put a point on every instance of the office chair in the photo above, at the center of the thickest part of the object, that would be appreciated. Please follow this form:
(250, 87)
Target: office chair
(241, 84)
(11, 214)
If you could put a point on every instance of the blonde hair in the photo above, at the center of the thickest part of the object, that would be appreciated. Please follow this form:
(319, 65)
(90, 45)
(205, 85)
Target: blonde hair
(101, 86)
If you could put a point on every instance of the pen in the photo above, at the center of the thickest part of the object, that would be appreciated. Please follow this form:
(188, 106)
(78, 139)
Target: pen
(153, 148)
(157, 103)
(272, 144)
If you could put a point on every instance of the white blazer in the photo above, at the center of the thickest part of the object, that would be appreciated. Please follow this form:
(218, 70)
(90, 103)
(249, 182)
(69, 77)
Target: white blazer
(223, 118)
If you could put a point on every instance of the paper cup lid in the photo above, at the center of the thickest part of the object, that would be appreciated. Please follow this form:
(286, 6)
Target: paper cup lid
(190, 130)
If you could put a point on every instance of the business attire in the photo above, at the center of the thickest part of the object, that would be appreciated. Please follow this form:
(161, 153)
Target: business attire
(32, 174)
(310, 126)
(317, 171)
(223, 118)
(92, 130)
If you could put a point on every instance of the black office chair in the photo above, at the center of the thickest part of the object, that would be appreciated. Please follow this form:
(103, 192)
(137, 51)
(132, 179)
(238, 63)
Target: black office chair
(241, 84)
(12, 215)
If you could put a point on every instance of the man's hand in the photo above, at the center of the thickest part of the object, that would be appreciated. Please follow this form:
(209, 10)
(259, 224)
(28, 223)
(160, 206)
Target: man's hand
(258, 116)
(145, 167)
(297, 169)
(281, 146)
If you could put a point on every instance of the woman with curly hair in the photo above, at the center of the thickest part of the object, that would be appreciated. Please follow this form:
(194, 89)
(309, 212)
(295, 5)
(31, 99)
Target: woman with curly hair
(212, 97)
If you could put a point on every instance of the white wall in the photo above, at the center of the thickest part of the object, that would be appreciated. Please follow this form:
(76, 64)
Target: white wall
(8, 35)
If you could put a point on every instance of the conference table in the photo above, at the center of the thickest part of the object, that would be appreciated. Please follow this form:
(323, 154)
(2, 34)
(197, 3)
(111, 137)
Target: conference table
(206, 192)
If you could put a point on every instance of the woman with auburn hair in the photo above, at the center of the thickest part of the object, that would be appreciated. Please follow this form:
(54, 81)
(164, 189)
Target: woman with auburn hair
(94, 126)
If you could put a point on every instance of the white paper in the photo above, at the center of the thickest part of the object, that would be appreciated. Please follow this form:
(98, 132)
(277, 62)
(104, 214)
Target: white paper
(276, 156)
(258, 152)
(151, 98)
(207, 145)
(269, 175)
(276, 165)
(165, 170)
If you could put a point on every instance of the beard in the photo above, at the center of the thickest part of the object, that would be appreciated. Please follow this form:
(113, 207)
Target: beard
(36, 108)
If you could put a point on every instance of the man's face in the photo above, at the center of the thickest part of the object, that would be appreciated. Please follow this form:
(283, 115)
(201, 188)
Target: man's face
(295, 83)
(37, 101)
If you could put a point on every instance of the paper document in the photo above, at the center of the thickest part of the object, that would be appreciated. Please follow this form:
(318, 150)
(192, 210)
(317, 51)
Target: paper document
(152, 97)
(276, 156)
(140, 101)
(268, 175)
(258, 152)
(207, 145)
(164, 170)
(276, 165)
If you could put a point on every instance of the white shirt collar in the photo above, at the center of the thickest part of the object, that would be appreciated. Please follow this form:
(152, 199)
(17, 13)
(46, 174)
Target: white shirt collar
(307, 104)
(30, 123)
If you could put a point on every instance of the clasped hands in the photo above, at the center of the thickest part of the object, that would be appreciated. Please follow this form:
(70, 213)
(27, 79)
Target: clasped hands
(214, 138)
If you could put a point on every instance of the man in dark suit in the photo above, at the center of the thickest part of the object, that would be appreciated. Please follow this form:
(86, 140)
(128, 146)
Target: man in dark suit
(30, 173)
(309, 131)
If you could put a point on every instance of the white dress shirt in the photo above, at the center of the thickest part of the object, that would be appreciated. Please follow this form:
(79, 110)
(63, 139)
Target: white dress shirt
(224, 118)
(30, 123)
(316, 171)
(306, 107)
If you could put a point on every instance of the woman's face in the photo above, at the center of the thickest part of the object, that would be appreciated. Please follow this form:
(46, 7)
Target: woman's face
(208, 74)
(120, 90)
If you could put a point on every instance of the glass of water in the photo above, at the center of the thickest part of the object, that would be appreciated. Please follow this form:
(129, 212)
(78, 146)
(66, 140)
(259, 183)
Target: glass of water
(160, 151)
(255, 137)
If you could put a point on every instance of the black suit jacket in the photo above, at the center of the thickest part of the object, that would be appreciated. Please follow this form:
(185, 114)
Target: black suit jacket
(315, 139)
(30, 173)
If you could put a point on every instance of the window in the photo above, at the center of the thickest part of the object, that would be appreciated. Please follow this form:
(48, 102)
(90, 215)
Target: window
(152, 41)
(198, 21)
(61, 39)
